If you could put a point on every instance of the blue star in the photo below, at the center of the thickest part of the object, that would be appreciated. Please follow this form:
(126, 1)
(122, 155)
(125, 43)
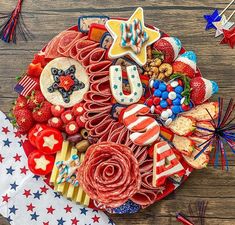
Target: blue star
(9, 219)
(20, 143)
(34, 216)
(7, 142)
(57, 195)
(13, 209)
(214, 17)
(37, 195)
(83, 211)
(14, 186)
(10, 170)
(111, 222)
(61, 221)
(36, 177)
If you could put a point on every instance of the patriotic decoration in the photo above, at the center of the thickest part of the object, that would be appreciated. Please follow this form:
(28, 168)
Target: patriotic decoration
(165, 164)
(25, 86)
(13, 24)
(25, 198)
(223, 132)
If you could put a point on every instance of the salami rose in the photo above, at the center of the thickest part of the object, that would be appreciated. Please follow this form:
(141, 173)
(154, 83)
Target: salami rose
(110, 173)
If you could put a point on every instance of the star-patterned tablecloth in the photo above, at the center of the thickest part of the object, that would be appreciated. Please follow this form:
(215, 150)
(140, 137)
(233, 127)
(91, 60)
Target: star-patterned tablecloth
(25, 198)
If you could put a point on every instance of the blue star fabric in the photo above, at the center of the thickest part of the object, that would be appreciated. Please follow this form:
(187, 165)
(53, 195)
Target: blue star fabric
(37, 195)
(57, 195)
(214, 17)
(34, 216)
(13, 209)
(83, 211)
(14, 186)
(61, 221)
(10, 170)
(7, 142)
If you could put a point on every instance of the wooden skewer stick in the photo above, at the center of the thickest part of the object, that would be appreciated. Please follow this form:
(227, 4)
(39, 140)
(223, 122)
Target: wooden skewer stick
(228, 6)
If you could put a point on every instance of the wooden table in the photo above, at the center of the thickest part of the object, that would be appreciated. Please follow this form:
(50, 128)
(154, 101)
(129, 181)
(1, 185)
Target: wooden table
(183, 19)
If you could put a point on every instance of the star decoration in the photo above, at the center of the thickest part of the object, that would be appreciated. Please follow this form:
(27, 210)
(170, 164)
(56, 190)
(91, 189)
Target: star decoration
(65, 82)
(23, 170)
(9, 219)
(57, 195)
(13, 209)
(27, 193)
(30, 207)
(14, 186)
(17, 134)
(23, 138)
(7, 142)
(34, 216)
(46, 223)
(1, 158)
(95, 219)
(229, 37)
(83, 211)
(37, 195)
(44, 189)
(187, 172)
(147, 35)
(5, 130)
(221, 25)
(17, 157)
(10, 170)
(50, 141)
(68, 209)
(5, 198)
(74, 221)
(111, 222)
(41, 163)
(214, 17)
(61, 221)
(50, 210)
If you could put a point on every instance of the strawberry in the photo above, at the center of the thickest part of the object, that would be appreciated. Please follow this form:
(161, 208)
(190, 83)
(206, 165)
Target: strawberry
(66, 82)
(42, 113)
(24, 120)
(35, 99)
(57, 110)
(67, 116)
(40, 58)
(199, 113)
(183, 144)
(182, 68)
(202, 89)
(55, 122)
(183, 126)
(78, 109)
(21, 103)
(34, 70)
(71, 128)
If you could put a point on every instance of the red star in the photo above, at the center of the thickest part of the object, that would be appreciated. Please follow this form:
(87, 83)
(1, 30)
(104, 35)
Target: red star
(27, 193)
(1, 158)
(74, 221)
(5, 130)
(23, 170)
(17, 134)
(17, 157)
(66, 82)
(46, 223)
(30, 207)
(229, 37)
(50, 210)
(68, 209)
(44, 189)
(5, 198)
(95, 219)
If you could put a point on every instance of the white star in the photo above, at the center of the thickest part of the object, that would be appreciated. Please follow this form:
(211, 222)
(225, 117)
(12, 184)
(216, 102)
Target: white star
(41, 163)
(221, 25)
(50, 141)
(23, 138)
(187, 173)
(176, 185)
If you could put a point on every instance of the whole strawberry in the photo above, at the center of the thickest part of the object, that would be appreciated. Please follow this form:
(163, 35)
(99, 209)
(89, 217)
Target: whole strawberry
(24, 120)
(21, 103)
(42, 113)
(202, 89)
(35, 99)
(169, 47)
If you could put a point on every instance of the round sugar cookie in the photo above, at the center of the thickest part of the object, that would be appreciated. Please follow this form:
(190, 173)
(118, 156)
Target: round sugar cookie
(64, 82)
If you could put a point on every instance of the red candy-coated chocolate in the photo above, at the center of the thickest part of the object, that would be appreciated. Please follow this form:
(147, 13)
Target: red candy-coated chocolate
(40, 164)
(169, 88)
(156, 100)
(149, 102)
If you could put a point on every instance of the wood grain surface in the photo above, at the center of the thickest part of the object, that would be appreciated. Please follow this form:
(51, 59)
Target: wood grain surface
(180, 18)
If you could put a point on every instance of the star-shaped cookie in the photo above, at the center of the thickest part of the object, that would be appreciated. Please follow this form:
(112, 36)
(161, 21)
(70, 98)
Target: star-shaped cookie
(133, 32)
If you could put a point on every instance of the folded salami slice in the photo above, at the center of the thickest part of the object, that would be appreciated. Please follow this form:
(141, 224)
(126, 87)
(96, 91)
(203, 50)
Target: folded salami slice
(82, 54)
(100, 67)
(92, 97)
(95, 56)
(101, 86)
(96, 120)
(97, 107)
(95, 77)
(144, 197)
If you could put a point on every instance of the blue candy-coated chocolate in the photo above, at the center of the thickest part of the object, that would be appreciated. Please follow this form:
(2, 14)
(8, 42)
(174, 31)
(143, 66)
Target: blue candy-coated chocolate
(165, 95)
(173, 116)
(162, 87)
(156, 84)
(163, 104)
(157, 93)
(176, 101)
(127, 208)
(178, 89)
(176, 109)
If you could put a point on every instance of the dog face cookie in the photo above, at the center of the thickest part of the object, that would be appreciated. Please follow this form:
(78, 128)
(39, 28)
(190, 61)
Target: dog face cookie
(64, 82)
